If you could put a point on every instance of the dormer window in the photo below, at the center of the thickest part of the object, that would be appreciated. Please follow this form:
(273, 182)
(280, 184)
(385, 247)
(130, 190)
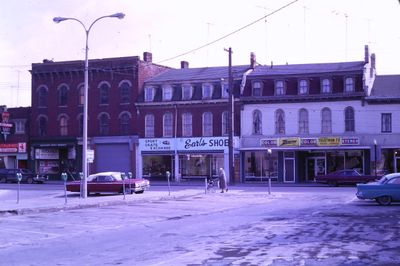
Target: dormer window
(207, 90)
(167, 93)
(257, 88)
(349, 85)
(303, 86)
(187, 92)
(149, 94)
(225, 90)
(279, 88)
(326, 86)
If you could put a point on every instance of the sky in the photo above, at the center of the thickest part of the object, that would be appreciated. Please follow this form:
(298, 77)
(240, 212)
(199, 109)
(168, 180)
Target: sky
(303, 31)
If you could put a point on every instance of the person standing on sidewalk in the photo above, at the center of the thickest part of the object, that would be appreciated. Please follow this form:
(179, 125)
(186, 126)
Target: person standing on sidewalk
(223, 185)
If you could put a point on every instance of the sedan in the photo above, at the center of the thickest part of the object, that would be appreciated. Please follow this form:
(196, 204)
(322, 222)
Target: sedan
(110, 182)
(386, 190)
(28, 176)
(349, 176)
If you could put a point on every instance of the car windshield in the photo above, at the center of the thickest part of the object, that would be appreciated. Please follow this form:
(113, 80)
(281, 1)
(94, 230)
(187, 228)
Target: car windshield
(385, 178)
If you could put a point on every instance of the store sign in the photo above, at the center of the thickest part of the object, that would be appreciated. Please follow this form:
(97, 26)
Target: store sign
(48, 154)
(207, 143)
(268, 142)
(288, 142)
(309, 142)
(350, 141)
(156, 144)
(13, 147)
(329, 141)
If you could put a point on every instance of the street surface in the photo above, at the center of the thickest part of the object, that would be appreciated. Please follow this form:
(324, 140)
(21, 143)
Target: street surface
(246, 226)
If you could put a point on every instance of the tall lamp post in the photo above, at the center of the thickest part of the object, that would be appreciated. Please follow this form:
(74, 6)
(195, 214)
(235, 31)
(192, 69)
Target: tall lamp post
(85, 95)
(375, 155)
(231, 126)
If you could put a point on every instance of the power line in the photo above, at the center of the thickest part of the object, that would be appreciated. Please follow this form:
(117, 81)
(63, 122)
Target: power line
(229, 34)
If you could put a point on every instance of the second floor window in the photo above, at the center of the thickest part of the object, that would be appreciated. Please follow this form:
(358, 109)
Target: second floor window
(104, 124)
(279, 122)
(257, 89)
(168, 121)
(63, 126)
(279, 88)
(149, 126)
(207, 124)
(125, 92)
(349, 119)
(386, 123)
(187, 125)
(207, 91)
(104, 93)
(326, 86)
(257, 125)
(187, 91)
(303, 86)
(63, 95)
(81, 94)
(225, 123)
(167, 93)
(326, 123)
(19, 126)
(303, 121)
(349, 85)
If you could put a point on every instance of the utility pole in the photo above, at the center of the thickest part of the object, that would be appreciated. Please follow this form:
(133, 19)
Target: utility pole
(231, 126)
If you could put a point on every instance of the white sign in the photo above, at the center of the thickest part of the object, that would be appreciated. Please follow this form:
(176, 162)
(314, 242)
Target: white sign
(50, 154)
(166, 144)
(90, 155)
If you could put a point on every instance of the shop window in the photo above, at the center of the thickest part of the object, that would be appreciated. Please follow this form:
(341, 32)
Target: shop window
(42, 96)
(257, 122)
(187, 125)
(349, 85)
(168, 125)
(303, 121)
(225, 123)
(42, 126)
(326, 86)
(279, 122)
(207, 124)
(326, 123)
(386, 123)
(125, 92)
(207, 90)
(104, 120)
(125, 123)
(63, 95)
(257, 88)
(303, 87)
(149, 126)
(63, 120)
(156, 166)
(349, 119)
(104, 92)
(259, 165)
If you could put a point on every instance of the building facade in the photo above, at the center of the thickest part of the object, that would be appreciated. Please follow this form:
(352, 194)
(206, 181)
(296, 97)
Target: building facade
(57, 113)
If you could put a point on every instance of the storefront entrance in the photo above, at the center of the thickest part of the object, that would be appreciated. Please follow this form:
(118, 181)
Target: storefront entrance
(289, 167)
(315, 166)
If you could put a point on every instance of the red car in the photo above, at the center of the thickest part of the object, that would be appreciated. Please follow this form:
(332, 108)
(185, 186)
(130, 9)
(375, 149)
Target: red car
(349, 176)
(110, 182)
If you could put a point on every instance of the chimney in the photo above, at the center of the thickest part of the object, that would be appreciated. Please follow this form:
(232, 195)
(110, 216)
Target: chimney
(366, 54)
(184, 64)
(373, 65)
(147, 57)
(253, 60)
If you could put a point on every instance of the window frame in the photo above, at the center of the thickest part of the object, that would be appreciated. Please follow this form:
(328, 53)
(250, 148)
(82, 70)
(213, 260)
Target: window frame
(224, 90)
(256, 89)
(125, 123)
(207, 90)
(349, 119)
(63, 125)
(207, 124)
(149, 129)
(326, 121)
(125, 88)
(63, 95)
(326, 88)
(303, 121)
(104, 93)
(280, 90)
(167, 90)
(168, 128)
(280, 125)
(303, 84)
(104, 124)
(187, 92)
(225, 123)
(257, 122)
(42, 95)
(187, 124)
(149, 94)
(386, 122)
(349, 87)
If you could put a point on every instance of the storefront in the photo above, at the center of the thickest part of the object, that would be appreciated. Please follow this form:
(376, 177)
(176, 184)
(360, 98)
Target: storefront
(13, 155)
(301, 159)
(184, 158)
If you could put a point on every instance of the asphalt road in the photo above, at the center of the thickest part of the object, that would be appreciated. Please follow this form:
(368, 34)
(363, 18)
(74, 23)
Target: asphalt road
(246, 226)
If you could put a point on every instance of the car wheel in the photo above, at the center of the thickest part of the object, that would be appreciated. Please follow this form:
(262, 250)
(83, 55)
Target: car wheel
(384, 200)
(3, 180)
(29, 180)
(332, 183)
(139, 192)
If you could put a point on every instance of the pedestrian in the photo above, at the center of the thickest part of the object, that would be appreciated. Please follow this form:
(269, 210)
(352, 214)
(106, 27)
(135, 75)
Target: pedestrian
(223, 184)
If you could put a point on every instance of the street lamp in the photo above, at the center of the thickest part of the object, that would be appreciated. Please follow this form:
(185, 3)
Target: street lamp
(269, 151)
(231, 126)
(85, 95)
(375, 143)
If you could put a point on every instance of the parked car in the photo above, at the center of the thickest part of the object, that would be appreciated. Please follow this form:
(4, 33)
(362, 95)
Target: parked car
(28, 176)
(110, 182)
(384, 191)
(349, 176)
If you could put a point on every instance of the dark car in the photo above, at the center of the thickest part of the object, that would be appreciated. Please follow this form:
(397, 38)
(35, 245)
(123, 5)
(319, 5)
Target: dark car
(385, 191)
(110, 182)
(28, 176)
(342, 177)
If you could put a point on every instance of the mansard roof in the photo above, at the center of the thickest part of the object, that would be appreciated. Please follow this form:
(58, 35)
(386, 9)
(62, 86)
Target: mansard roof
(197, 74)
(385, 88)
(308, 69)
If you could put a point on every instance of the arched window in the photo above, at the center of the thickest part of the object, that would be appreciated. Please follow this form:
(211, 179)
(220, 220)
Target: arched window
(207, 124)
(125, 123)
(303, 121)
(125, 92)
(257, 122)
(63, 120)
(42, 126)
(104, 93)
(225, 123)
(279, 122)
(42, 97)
(187, 125)
(63, 95)
(168, 125)
(326, 123)
(104, 121)
(349, 119)
(149, 126)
